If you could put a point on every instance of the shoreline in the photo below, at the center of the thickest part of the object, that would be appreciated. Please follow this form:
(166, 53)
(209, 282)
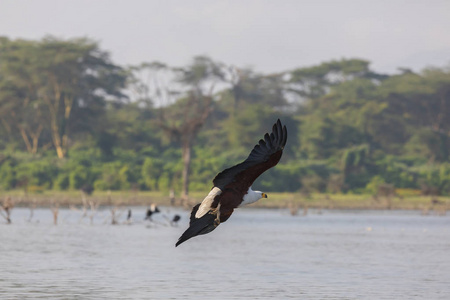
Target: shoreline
(295, 202)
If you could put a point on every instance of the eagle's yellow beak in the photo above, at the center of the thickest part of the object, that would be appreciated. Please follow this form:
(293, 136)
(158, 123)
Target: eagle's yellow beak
(264, 195)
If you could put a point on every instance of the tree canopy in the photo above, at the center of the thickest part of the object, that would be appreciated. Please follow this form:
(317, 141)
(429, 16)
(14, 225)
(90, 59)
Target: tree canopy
(69, 117)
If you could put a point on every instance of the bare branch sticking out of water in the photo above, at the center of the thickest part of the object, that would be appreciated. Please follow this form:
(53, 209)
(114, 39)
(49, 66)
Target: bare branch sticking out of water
(54, 207)
(115, 217)
(32, 208)
(93, 204)
(6, 207)
(84, 207)
(88, 204)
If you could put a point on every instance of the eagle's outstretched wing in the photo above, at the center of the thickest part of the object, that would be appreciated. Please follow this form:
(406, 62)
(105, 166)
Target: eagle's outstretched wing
(265, 155)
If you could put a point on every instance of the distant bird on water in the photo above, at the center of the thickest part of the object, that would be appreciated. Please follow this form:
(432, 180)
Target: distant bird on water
(233, 186)
(153, 209)
(175, 220)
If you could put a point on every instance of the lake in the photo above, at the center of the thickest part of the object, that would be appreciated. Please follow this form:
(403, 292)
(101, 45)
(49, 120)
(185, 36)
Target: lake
(256, 254)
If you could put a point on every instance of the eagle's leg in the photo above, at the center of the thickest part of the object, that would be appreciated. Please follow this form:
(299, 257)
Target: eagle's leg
(216, 212)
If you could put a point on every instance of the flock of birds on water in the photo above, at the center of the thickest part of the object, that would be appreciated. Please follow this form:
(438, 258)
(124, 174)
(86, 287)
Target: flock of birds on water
(114, 220)
(153, 209)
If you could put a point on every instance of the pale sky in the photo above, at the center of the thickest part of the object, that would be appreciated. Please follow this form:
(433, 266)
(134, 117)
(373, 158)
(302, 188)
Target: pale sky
(270, 36)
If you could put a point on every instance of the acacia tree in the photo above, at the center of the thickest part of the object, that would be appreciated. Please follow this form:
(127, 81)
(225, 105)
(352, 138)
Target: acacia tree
(75, 79)
(315, 82)
(56, 85)
(424, 102)
(20, 108)
(185, 98)
(20, 115)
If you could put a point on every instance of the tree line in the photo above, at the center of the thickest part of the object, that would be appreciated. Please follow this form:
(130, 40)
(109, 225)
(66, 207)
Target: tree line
(70, 118)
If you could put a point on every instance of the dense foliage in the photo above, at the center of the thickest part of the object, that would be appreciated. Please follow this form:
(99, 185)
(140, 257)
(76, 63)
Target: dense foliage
(70, 117)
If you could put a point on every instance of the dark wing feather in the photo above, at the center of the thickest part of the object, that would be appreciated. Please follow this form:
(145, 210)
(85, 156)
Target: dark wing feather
(265, 154)
(199, 226)
(193, 212)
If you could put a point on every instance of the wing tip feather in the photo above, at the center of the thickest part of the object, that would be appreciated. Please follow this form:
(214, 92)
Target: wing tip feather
(283, 143)
(279, 134)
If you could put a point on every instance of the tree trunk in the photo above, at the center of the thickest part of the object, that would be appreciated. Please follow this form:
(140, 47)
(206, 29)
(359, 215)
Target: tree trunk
(25, 139)
(186, 150)
(59, 132)
(57, 140)
(35, 138)
(7, 126)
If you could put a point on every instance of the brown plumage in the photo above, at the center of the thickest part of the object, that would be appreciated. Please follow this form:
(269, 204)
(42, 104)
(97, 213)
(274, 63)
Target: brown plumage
(232, 186)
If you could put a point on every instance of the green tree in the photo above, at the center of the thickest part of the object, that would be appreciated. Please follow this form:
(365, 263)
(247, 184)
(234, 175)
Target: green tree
(187, 98)
(56, 83)
(21, 109)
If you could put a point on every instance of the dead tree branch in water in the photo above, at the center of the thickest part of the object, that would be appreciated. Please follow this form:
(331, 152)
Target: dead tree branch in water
(89, 204)
(115, 217)
(33, 205)
(54, 207)
(84, 207)
(7, 206)
(93, 204)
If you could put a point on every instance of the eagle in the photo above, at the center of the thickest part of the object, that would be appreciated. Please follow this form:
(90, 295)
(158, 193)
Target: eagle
(233, 186)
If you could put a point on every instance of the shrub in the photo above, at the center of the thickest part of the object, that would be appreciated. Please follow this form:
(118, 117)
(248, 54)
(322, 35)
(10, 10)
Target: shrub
(38, 173)
(62, 182)
(7, 175)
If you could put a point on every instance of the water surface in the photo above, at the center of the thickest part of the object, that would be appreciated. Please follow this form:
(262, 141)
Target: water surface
(257, 254)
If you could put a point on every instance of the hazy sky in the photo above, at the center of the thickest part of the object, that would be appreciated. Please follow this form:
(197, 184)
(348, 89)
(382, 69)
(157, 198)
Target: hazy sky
(269, 36)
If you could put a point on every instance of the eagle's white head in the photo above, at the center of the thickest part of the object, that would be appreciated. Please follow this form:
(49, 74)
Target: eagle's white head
(252, 196)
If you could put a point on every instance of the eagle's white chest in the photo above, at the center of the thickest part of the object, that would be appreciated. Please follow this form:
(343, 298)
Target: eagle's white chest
(206, 204)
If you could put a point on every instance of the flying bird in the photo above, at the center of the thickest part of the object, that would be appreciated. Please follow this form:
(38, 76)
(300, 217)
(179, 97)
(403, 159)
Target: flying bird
(233, 186)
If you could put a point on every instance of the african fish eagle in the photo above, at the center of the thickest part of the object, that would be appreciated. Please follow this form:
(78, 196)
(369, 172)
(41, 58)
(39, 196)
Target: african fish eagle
(233, 186)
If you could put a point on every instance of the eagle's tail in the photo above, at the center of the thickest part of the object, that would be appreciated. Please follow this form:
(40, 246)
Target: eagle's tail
(203, 225)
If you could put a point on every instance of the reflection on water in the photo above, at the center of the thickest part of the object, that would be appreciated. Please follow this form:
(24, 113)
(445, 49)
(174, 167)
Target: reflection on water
(256, 254)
